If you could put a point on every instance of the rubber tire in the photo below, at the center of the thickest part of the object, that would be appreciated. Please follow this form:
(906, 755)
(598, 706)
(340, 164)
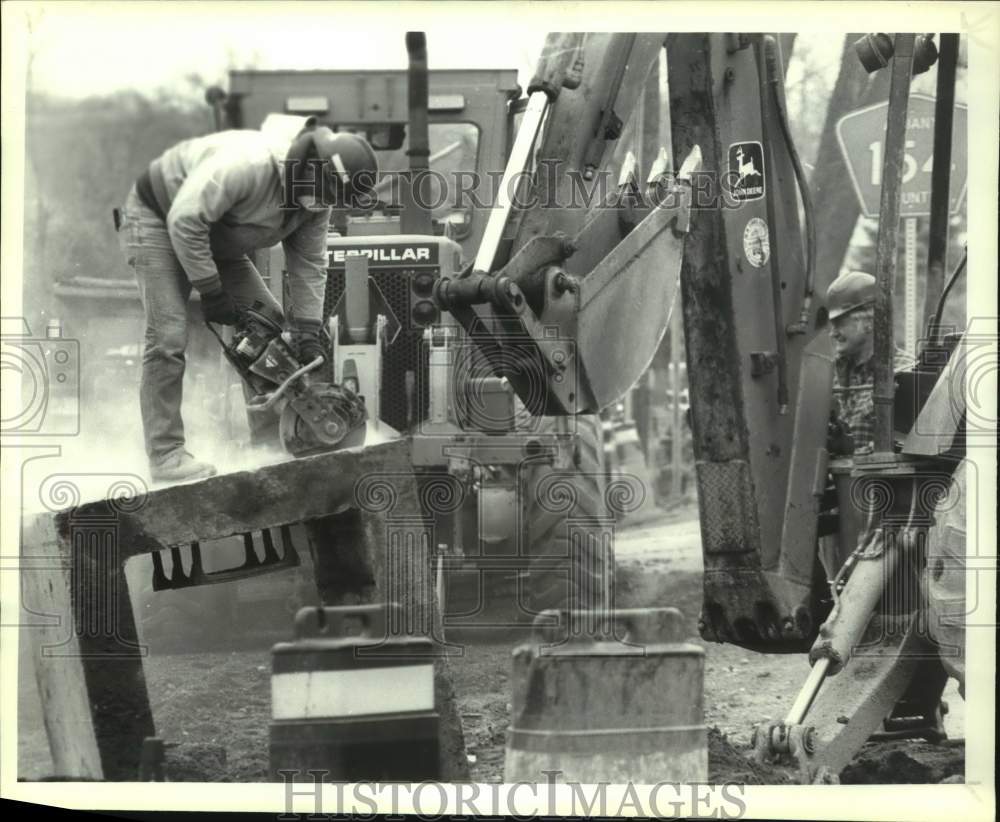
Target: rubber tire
(582, 581)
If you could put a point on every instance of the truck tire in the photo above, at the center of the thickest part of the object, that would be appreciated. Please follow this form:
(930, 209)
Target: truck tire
(569, 531)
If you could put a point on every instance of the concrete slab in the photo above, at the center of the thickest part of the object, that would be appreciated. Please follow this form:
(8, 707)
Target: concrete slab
(87, 656)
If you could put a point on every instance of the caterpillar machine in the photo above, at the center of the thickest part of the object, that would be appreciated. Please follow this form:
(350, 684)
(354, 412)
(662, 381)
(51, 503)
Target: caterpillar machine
(493, 336)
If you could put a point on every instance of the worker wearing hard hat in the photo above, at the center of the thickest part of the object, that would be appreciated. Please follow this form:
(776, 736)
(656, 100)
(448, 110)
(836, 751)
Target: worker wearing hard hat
(850, 303)
(191, 220)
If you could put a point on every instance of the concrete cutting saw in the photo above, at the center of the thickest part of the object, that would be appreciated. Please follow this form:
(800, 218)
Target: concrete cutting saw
(314, 414)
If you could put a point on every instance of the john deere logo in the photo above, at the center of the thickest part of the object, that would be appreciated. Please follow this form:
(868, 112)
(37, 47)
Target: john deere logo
(746, 171)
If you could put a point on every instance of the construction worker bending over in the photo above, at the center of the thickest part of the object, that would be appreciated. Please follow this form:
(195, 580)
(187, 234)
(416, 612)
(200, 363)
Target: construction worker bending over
(191, 221)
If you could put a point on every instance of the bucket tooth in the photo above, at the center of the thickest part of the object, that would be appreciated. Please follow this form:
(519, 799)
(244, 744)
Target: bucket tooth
(659, 172)
(178, 579)
(197, 573)
(660, 166)
(250, 559)
(270, 554)
(291, 555)
(252, 564)
(160, 581)
(627, 175)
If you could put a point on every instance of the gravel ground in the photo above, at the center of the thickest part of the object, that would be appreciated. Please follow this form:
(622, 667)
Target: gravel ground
(216, 704)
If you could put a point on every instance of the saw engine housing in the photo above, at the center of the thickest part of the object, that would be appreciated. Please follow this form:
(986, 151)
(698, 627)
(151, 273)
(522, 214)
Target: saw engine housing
(313, 414)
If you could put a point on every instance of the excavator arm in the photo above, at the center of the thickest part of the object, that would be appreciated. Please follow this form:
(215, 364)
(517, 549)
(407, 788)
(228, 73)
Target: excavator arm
(564, 286)
(570, 296)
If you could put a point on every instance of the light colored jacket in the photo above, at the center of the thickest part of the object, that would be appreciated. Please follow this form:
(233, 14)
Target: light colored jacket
(223, 199)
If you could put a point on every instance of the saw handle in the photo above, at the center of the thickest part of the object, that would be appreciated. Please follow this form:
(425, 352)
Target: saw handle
(267, 401)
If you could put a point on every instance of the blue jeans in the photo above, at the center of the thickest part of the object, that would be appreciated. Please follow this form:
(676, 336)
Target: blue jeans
(165, 290)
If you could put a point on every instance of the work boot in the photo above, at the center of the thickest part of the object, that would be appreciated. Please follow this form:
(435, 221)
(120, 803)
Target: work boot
(179, 466)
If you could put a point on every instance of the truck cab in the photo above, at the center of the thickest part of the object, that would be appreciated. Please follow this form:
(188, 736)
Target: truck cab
(470, 124)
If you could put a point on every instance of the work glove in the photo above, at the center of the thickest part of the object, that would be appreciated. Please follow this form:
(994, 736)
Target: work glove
(218, 307)
(839, 441)
(307, 341)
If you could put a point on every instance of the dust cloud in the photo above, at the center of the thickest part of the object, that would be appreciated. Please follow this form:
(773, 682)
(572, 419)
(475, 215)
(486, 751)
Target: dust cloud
(108, 452)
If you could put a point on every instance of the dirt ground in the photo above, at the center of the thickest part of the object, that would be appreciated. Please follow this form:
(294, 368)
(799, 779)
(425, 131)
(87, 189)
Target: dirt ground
(216, 705)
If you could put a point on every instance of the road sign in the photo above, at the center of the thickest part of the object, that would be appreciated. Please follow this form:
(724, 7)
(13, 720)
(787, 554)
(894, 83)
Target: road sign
(861, 135)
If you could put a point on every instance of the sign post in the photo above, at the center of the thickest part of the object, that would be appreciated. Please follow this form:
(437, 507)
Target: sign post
(910, 270)
(861, 135)
(676, 424)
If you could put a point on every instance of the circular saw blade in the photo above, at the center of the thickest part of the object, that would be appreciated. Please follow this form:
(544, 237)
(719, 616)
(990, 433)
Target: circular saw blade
(329, 418)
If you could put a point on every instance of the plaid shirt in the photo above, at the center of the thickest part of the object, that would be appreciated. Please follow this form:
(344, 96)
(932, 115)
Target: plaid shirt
(853, 404)
(853, 398)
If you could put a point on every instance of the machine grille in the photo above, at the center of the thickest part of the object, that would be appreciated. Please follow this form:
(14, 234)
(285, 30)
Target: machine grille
(405, 353)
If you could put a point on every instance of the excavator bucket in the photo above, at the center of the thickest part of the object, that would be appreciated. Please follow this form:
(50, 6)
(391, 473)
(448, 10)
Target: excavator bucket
(626, 301)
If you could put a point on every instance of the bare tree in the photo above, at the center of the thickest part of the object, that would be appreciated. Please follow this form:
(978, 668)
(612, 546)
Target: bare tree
(833, 196)
(35, 279)
(70, 193)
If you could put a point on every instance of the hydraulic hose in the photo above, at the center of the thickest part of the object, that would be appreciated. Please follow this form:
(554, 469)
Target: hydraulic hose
(934, 328)
(774, 74)
(944, 117)
(763, 81)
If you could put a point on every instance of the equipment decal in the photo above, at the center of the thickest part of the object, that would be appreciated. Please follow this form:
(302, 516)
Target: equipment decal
(746, 171)
(756, 242)
(394, 254)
